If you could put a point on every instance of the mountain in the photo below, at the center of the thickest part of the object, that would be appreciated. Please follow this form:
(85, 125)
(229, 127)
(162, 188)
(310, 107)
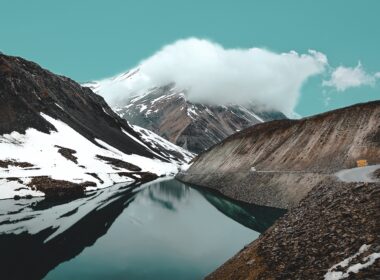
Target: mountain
(308, 166)
(332, 234)
(167, 111)
(59, 138)
(39, 234)
(277, 163)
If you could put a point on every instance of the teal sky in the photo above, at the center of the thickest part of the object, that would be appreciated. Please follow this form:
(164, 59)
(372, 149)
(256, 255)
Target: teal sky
(88, 40)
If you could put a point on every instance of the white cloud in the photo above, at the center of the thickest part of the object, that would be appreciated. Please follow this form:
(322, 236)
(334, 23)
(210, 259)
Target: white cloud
(343, 78)
(213, 74)
(217, 75)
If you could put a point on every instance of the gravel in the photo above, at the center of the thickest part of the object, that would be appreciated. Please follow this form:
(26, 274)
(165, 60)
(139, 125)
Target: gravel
(329, 225)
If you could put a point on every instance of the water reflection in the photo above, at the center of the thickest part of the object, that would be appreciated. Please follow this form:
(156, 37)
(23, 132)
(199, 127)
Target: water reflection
(168, 195)
(258, 218)
(163, 229)
(36, 235)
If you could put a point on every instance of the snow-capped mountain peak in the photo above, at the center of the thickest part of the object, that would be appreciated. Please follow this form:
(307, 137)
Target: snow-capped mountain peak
(57, 137)
(167, 111)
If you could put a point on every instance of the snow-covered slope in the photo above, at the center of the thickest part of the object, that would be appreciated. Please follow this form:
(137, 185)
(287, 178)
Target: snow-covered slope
(57, 138)
(166, 110)
(41, 151)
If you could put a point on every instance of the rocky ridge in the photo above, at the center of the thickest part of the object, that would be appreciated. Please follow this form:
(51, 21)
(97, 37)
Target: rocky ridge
(56, 135)
(334, 233)
(167, 111)
(277, 163)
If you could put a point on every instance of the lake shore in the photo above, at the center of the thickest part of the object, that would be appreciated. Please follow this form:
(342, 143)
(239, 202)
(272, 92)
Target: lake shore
(335, 222)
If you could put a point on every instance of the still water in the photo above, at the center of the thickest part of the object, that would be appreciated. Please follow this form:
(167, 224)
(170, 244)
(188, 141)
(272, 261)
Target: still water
(160, 230)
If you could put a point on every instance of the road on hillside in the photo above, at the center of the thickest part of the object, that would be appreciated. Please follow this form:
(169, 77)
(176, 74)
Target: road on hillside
(358, 174)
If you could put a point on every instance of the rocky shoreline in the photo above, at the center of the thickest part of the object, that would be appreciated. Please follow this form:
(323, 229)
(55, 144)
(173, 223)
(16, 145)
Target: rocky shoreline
(336, 221)
(332, 229)
(266, 189)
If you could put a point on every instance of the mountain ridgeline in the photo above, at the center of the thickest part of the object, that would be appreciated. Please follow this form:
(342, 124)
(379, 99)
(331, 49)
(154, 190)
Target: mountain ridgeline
(52, 128)
(26, 90)
(277, 163)
(167, 111)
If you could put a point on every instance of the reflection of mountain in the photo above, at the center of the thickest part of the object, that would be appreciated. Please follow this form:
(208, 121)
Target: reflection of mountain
(37, 235)
(169, 194)
(34, 239)
(258, 218)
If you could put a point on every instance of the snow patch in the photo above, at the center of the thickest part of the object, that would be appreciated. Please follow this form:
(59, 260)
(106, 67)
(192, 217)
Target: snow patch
(157, 142)
(39, 149)
(251, 113)
(143, 108)
(59, 106)
(192, 113)
(354, 268)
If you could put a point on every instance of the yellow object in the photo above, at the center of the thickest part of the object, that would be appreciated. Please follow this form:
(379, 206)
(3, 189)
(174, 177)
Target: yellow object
(361, 162)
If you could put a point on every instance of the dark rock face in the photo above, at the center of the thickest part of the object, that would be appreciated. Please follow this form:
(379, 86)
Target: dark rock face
(117, 163)
(59, 188)
(290, 156)
(26, 90)
(7, 163)
(166, 111)
(95, 176)
(68, 153)
(331, 224)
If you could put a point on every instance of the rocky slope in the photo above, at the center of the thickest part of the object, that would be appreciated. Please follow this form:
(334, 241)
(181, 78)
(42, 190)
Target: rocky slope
(57, 137)
(167, 111)
(334, 233)
(289, 156)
